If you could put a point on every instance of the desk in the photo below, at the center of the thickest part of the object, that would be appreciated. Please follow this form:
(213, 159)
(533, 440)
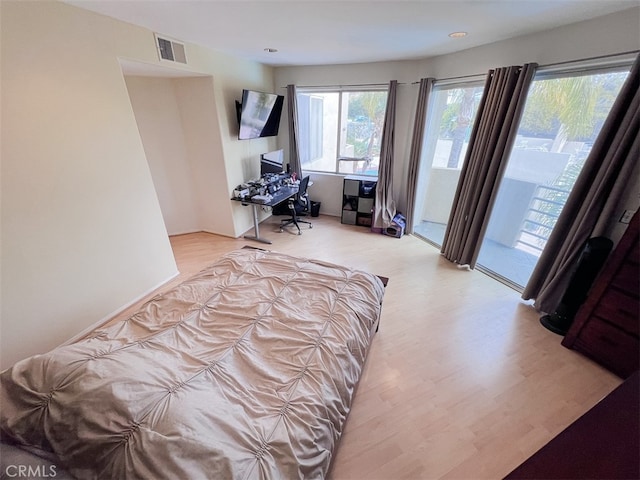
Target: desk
(285, 193)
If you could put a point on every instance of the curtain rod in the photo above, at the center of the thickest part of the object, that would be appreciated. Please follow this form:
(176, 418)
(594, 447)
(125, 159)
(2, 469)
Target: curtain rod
(347, 85)
(475, 75)
(460, 77)
(589, 59)
(542, 67)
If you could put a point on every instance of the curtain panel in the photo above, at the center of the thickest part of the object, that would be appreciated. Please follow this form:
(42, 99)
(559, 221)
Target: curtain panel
(492, 137)
(426, 86)
(594, 198)
(292, 110)
(384, 207)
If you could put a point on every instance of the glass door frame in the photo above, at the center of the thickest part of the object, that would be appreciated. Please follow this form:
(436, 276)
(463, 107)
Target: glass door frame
(616, 65)
(429, 147)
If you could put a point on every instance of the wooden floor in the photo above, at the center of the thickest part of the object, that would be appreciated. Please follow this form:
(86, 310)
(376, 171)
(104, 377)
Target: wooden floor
(461, 382)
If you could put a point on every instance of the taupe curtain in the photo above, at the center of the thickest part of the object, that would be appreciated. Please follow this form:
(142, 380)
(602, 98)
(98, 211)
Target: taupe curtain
(593, 198)
(492, 137)
(426, 86)
(384, 208)
(292, 110)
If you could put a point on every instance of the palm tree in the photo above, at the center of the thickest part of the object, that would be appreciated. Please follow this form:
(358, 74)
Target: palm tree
(570, 108)
(374, 104)
(567, 109)
(458, 119)
(563, 105)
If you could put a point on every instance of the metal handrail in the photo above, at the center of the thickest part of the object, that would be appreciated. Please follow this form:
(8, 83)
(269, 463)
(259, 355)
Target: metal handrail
(542, 231)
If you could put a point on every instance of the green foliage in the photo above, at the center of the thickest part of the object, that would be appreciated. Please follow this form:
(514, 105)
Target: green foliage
(462, 104)
(571, 106)
(449, 117)
(366, 119)
(373, 103)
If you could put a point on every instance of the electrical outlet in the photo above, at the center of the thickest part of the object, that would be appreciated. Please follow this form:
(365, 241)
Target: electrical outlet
(627, 216)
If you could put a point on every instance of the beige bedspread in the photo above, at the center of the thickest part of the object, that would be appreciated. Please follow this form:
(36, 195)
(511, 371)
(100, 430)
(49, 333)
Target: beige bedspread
(247, 370)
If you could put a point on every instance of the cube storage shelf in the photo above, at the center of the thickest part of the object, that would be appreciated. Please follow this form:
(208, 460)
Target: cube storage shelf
(358, 197)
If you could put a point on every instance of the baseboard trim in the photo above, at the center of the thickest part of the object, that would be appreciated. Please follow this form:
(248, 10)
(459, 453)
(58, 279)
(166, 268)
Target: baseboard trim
(220, 234)
(185, 232)
(110, 316)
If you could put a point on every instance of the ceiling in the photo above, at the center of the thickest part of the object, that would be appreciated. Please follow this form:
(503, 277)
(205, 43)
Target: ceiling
(321, 32)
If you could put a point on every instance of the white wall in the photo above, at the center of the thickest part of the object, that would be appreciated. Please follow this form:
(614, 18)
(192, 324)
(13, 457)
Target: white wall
(82, 230)
(196, 100)
(177, 121)
(82, 233)
(442, 183)
(615, 33)
(161, 129)
(219, 161)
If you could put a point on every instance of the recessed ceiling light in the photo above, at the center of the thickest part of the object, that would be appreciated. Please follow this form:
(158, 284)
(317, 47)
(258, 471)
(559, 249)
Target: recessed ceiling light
(271, 50)
(458, 34)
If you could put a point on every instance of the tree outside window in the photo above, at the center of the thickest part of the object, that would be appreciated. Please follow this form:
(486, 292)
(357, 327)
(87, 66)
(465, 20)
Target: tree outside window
(563, 116)
(340, 131)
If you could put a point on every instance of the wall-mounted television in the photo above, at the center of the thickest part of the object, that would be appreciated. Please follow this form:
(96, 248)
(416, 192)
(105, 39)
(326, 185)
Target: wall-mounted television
(259, 114)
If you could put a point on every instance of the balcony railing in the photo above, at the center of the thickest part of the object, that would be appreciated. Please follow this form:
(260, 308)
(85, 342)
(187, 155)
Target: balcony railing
(542, 215)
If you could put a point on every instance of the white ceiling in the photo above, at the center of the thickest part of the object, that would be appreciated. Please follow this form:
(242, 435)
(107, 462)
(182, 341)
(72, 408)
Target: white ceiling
(319, 32)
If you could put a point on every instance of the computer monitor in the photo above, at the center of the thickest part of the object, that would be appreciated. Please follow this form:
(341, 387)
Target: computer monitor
(271, 162)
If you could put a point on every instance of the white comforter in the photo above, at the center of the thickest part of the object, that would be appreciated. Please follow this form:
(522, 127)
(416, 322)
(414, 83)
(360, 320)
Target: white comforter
(245, 371)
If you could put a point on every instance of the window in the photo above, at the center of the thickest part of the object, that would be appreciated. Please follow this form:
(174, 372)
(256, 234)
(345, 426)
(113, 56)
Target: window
(452, 110)
(340, 131)
(563, 115)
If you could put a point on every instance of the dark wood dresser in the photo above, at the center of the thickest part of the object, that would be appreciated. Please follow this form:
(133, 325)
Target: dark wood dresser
(606, 327)
(602, 444)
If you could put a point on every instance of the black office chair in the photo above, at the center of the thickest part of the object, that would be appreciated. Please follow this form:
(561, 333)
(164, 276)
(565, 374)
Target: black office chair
(299, 205)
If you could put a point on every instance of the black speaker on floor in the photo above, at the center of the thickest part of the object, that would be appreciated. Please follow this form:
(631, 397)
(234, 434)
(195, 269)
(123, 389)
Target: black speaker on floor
(591, 260)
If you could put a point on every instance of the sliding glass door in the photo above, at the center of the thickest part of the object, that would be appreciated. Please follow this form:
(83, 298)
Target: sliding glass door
(562, 118)
(452, 110)
(563, 115)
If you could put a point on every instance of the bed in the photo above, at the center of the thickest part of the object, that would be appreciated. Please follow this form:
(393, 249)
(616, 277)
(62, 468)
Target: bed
(247, 370)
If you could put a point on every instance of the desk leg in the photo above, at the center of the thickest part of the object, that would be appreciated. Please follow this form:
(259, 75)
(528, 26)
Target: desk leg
(256, 228)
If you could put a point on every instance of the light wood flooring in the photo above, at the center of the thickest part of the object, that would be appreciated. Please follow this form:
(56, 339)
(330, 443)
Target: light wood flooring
(461, 382)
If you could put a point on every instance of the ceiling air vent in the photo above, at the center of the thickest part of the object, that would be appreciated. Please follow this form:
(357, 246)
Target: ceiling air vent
(171, 50)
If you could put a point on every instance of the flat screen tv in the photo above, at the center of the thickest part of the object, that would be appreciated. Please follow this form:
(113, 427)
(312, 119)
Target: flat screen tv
(259, 114)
